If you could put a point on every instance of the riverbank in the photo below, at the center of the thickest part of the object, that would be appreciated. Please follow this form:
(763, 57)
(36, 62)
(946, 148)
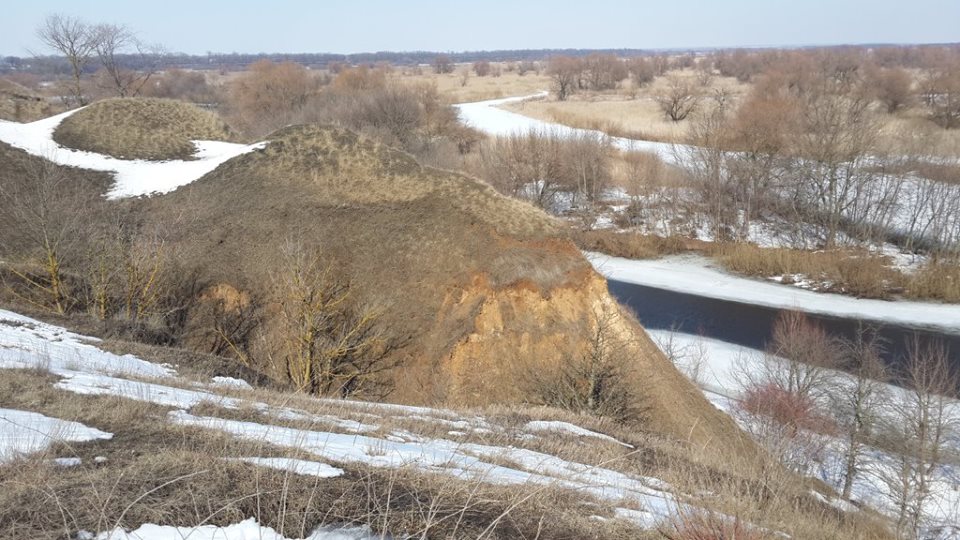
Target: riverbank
(696, 275)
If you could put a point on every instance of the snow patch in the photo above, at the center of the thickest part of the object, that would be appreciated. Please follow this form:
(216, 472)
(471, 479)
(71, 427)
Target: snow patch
(27, 343)
(24, 432)
(245, 530)
(296, 466)
(566, 427)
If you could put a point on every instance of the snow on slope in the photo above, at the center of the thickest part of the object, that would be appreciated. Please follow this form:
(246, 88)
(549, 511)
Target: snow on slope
(693, 275)
(461, 460)
(245, 530)
(24, 432)
(296, 466)
(29, 343)
(488, 117)
(86, 370)
(133, 177)
(567, 427)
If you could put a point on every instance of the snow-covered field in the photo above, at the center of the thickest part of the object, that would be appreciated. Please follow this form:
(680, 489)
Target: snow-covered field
(694, 275)
(132, 177)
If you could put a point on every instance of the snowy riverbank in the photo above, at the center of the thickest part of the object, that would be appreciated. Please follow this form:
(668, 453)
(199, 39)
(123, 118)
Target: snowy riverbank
(490, 118)
(695, 275)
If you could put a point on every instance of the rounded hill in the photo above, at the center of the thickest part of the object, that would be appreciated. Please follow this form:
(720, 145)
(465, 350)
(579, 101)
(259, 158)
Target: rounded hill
(140, 128)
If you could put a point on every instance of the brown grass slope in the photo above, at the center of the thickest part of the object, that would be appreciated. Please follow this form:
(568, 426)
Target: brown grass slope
(488, 287)
(140, 128)
(20, 104)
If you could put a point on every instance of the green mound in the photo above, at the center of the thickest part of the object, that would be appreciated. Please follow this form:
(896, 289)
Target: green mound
(140, 128)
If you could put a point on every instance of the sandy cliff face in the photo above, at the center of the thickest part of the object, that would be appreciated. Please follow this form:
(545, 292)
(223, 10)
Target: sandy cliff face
(520, 329)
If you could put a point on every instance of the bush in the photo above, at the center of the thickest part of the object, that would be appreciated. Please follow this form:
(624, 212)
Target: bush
(791, 410)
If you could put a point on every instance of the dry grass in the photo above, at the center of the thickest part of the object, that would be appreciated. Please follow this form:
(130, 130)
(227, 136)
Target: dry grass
(627, 111)
(618, 117)
(936, 281)
(140, 128)
(631, 245)
(478, 88)
(857, 273)
(158, 472)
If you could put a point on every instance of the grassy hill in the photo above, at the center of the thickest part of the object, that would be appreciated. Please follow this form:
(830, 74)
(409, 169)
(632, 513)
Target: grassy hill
(140, 128)
(485, 291)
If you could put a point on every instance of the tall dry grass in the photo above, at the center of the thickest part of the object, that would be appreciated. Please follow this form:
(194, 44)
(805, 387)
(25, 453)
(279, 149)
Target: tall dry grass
(857, 273)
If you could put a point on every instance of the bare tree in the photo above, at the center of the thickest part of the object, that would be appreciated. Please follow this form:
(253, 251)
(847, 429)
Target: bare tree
(112, 41)
(76, 41)
(857, 404)
(833, 154)
(641, 70)
(331, 344)
(525, 165)
(603, 71)
(442, 64)
(941, 93)
(481, 68)
(812, 354)
(586, 160)
(41, 217)
(595, 381)
(565, 73)
(678, 99)
(783, 394)
(924, 418)
(890, 86)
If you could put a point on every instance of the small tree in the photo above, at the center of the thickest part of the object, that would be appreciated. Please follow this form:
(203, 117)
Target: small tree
(442, 64)
(924, 419)
(111, 41)
(941, 94)
(678, 99)
(857, 403)
(42, 216)
(76, 41)
(565, 73)
(890, 86)
(594, 381)
(481, 68)
(330, 344)
(783, 396)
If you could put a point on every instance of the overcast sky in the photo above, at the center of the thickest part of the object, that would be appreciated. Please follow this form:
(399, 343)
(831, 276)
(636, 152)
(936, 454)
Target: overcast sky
(199, 26)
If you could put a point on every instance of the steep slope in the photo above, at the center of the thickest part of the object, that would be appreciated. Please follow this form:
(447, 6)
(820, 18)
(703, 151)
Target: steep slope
(487, 288)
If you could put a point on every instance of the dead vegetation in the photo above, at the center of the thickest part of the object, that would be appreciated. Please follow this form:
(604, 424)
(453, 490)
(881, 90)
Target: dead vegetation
(141, 128)
(153, 471)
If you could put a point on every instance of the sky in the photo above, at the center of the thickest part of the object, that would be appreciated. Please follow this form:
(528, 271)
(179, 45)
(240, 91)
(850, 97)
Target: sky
(286, 26)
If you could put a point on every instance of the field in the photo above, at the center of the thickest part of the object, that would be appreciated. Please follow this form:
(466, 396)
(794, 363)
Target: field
(453, 88)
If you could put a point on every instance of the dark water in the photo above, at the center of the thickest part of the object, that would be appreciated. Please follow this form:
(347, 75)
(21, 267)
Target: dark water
(751, 325)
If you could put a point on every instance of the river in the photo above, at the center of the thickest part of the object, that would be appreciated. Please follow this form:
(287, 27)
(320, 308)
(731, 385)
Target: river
(751, 325)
